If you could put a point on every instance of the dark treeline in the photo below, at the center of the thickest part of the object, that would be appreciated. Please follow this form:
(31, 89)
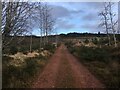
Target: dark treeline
(75, 34)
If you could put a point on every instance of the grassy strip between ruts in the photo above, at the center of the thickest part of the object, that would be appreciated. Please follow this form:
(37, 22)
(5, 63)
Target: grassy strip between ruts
(64, 77)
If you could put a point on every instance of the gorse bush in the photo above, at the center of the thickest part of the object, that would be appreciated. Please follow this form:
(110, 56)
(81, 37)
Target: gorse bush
(69, 44)
(24, 49)
(13, 50)
(6, 60)
(31, 66)
(49, 47)
(10, 75)
(91, 54)
(118, 37)
(115, 53)
(95, 41)
(86, 41)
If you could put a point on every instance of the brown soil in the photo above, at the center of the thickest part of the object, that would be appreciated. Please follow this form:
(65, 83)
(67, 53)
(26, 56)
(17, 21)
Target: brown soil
(65, 71)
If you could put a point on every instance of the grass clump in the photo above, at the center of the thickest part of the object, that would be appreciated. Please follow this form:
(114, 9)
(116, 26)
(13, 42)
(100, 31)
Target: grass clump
(49, 47)
(91, 54)
(21, 76)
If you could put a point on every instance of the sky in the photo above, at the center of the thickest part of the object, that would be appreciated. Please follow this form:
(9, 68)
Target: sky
(77, 17)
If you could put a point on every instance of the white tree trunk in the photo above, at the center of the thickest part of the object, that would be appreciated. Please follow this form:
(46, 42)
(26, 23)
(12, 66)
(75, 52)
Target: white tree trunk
(31, 44)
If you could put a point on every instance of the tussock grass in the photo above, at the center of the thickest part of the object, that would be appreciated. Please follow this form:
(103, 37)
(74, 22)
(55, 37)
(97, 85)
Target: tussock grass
(21, 76)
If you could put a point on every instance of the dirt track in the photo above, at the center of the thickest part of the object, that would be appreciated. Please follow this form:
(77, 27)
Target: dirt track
(65, 71)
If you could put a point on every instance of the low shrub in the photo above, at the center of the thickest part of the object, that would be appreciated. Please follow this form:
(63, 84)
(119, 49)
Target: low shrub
(90, 53)
(105, 72)
(10, 50)
(6, 60)
(13, 50)
(23, 49)
(102, 62)
(32, 66)
(49, 47)
(10, 76)
(118, 37)
(20, 76)
(42, 57)
(69, 44)
(86, 41)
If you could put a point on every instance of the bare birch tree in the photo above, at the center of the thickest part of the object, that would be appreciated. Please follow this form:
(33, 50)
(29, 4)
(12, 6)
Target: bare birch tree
(109, 21)
(105, 21)
(112, 22)
(46, 22)
(14, 20)
(39, 9)
(118, 31)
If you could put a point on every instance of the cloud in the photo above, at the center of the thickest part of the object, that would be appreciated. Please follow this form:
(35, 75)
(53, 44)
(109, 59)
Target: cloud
(64, 24)
(59, 12)
(80, 15)
(91, 27)
(66, 18)
(67, 26)
(77, 11)
(94, 5)
(90, 16)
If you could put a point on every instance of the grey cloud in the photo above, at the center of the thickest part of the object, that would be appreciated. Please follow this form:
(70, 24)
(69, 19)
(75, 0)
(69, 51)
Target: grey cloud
(63, 24)
(61, 12)
(67, 26)
(90, 16)
(89, 5)
(77, 11)
(86, 12)
(94, 5)
(89, 26)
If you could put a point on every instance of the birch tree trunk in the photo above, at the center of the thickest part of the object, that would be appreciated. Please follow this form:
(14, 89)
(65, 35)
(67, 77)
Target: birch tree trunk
(112, 24)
